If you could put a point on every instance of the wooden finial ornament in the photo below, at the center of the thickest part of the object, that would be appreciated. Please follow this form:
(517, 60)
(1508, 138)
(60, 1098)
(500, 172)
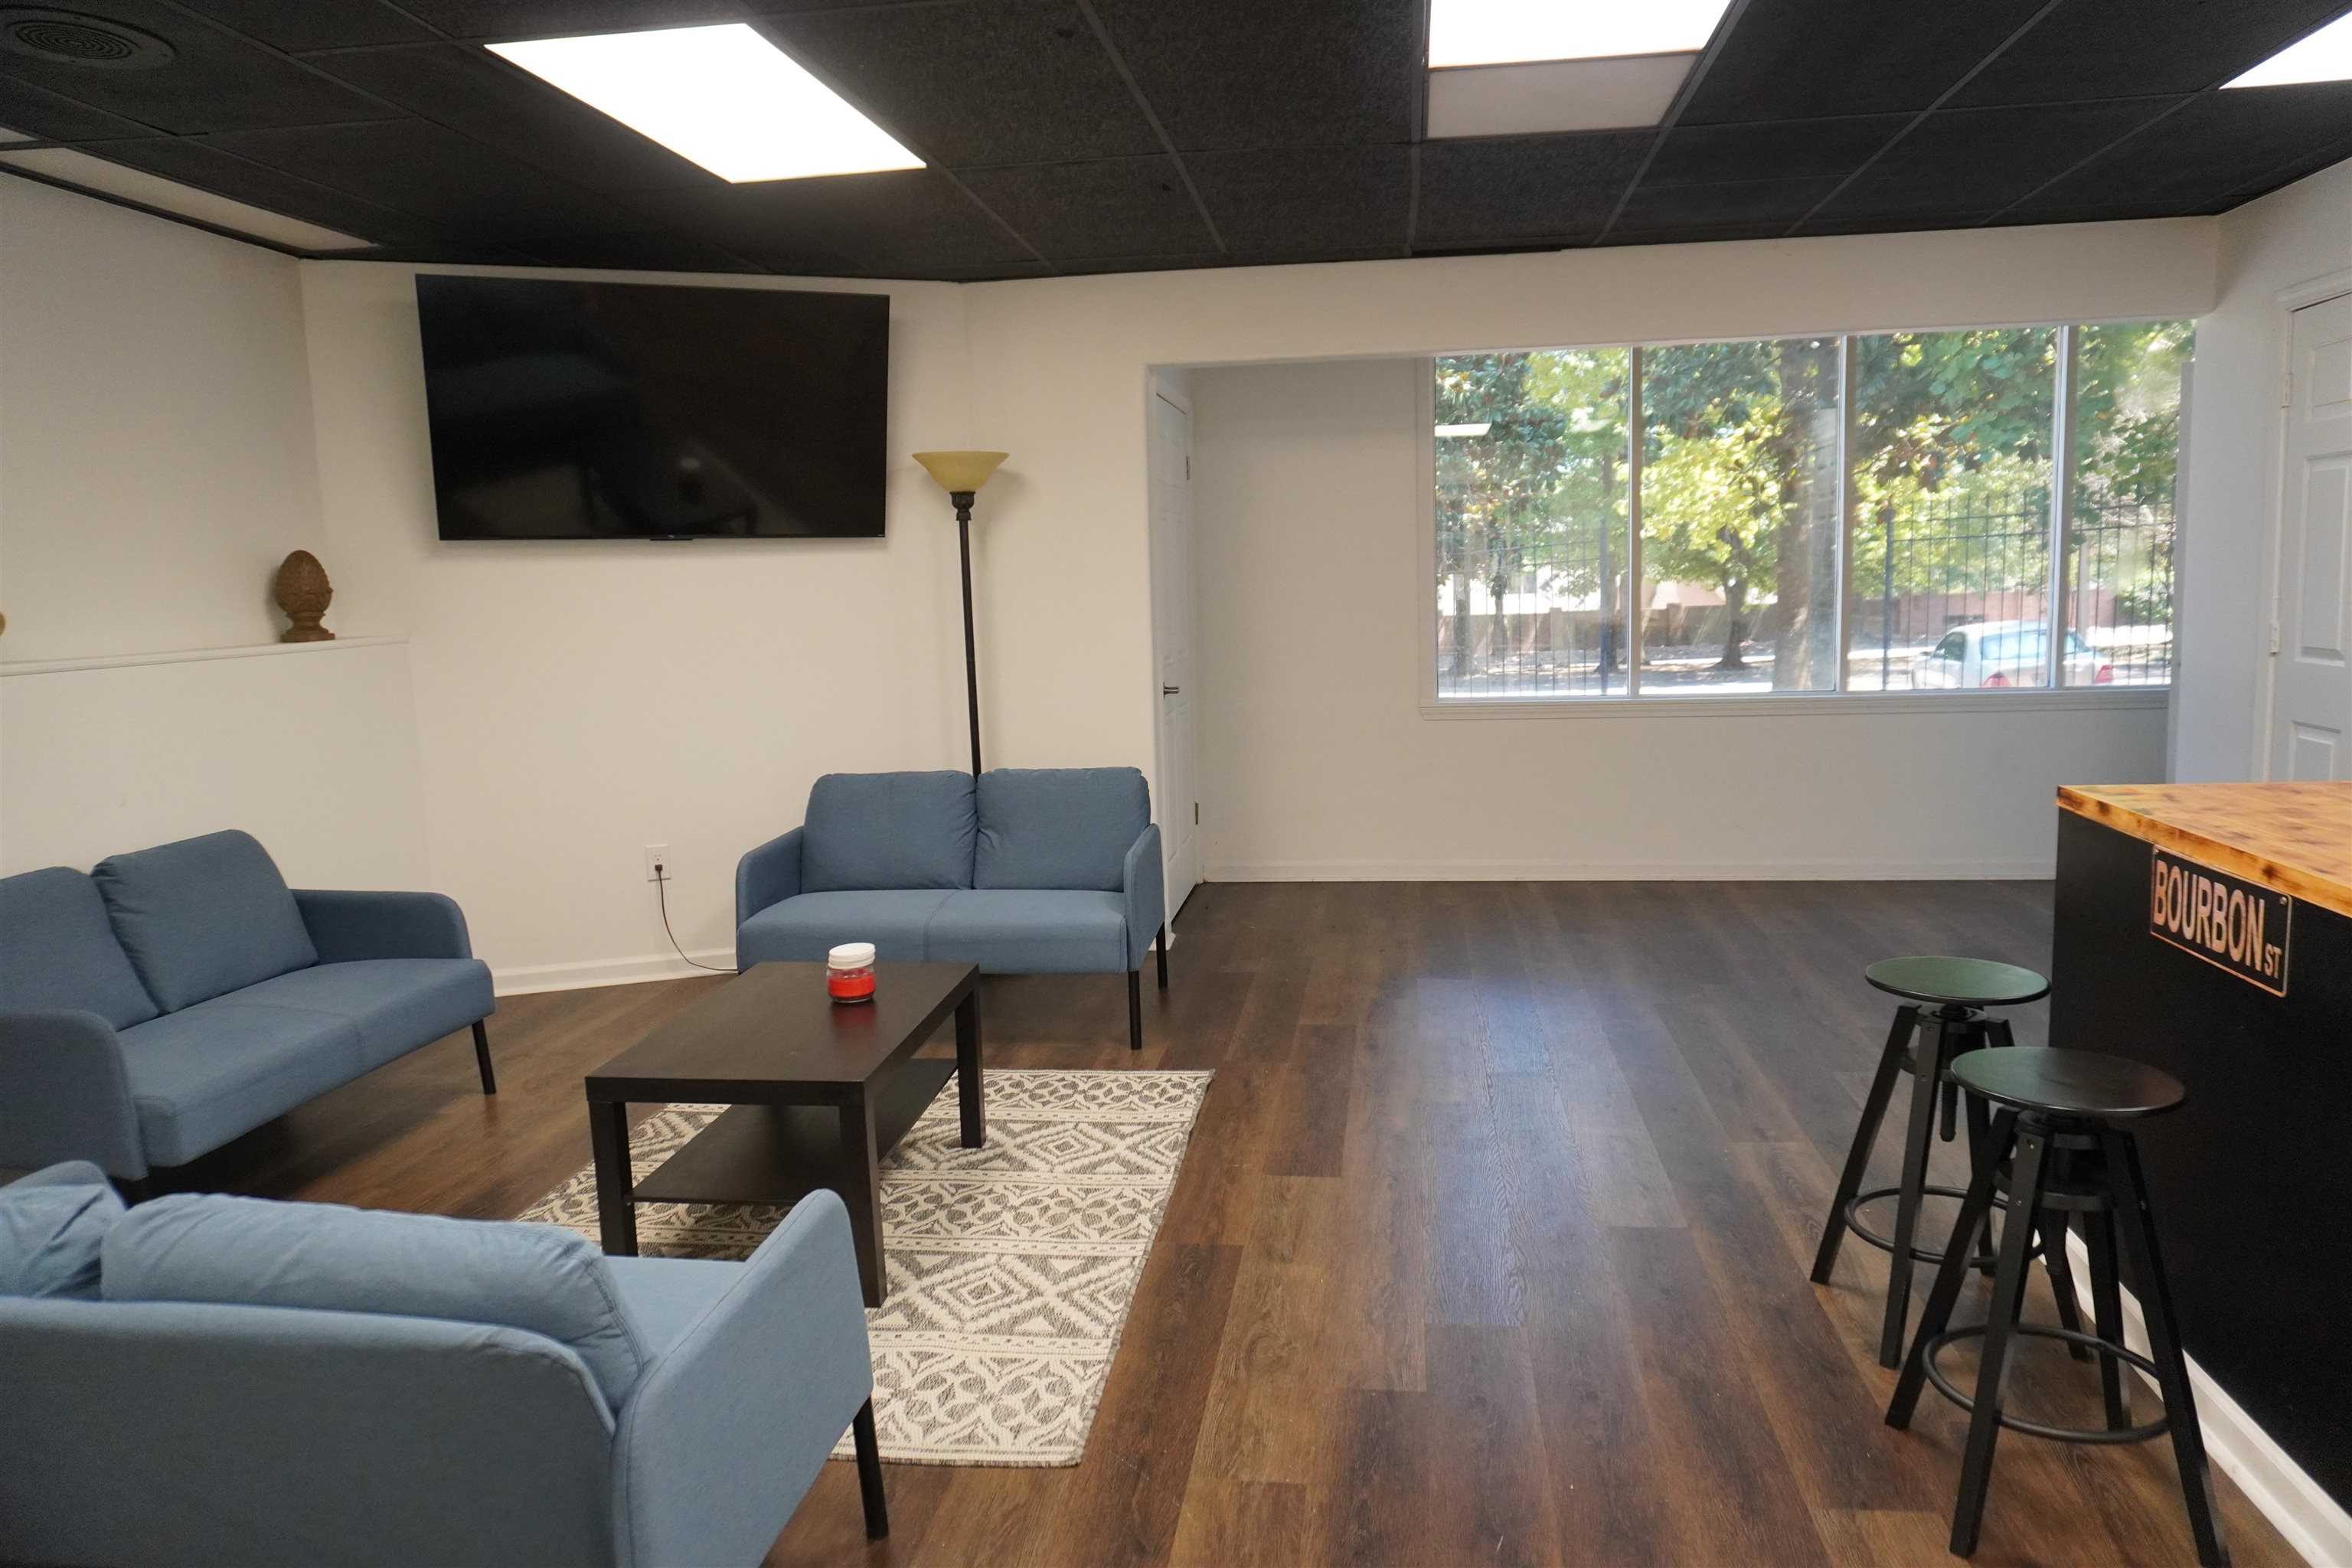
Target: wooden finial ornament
(303, 591)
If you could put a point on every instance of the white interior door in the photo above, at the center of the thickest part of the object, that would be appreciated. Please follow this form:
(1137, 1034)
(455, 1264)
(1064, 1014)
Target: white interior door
(2311, 713)
(1172, 638)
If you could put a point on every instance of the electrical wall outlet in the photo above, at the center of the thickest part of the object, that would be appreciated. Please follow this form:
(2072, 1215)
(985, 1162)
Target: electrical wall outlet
(657, 862)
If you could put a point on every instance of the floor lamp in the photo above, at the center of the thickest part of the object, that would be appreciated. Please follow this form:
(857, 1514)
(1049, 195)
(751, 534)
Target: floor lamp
(961, 474)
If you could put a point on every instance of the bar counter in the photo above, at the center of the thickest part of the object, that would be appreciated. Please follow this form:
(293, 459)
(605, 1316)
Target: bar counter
(2207, 929)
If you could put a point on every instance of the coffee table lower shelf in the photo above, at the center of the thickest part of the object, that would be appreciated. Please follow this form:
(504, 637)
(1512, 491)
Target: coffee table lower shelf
(781, 1153)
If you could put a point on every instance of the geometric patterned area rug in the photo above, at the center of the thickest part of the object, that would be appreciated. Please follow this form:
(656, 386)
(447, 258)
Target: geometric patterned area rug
(1012, 1267)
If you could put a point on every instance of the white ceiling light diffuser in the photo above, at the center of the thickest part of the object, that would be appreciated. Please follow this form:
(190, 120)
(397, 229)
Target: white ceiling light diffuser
(1518, 67)
(722, 96)
(2323, 55)
(1505, 32)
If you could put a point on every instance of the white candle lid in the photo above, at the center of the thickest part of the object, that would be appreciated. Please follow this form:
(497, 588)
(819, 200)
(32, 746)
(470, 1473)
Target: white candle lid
(851, 956)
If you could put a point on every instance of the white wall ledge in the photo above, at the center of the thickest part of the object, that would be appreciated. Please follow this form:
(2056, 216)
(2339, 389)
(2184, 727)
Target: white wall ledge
(1806, 704)
(187, 656)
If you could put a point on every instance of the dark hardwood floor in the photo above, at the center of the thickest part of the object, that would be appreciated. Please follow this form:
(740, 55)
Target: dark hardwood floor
(1490, 1247)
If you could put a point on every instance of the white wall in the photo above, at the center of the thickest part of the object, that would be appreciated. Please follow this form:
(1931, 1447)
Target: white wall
(573, 702)
(2229, 513)
(311, 748)
(156, 464)
(155, 452)
(578, 700)
(1317, 761)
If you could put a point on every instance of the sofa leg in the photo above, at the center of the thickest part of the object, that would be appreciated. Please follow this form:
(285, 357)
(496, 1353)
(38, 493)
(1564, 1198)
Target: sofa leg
(869, 1472)
(1161, 944)
(482, 1057)
(1135, 1009)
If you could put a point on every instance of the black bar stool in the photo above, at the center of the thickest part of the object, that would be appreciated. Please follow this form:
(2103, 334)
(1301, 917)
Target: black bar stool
(1943, 1000)
(2062, 1137)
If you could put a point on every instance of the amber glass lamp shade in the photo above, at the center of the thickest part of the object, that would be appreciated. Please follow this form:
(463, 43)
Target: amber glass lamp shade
(961, 472)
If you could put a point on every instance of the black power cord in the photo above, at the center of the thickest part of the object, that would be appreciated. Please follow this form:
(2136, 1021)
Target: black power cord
(661, 891)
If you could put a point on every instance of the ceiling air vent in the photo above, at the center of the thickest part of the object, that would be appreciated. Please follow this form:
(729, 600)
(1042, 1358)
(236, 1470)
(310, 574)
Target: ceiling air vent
(71, 39)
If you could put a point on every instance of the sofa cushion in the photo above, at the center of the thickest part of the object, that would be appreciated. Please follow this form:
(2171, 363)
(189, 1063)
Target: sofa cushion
(206, 1073)
(395, 1004)
(805, 929)
(1058, 828)
(1030, 931)
(62, 952)
(888, 830)
(325, 1257)
(202, 917)
(51, 1226)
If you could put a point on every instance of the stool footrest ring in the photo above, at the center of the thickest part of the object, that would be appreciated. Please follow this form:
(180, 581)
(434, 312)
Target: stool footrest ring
(1863, 1233)
(2156, 1428)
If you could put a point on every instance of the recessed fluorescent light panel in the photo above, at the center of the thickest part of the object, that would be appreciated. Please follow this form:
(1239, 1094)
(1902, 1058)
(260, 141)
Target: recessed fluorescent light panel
(1518, 67)
(2323, 55)
(1504, 32)
(722, 96)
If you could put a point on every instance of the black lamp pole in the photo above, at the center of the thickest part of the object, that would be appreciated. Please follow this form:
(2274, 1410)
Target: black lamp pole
(962, 499)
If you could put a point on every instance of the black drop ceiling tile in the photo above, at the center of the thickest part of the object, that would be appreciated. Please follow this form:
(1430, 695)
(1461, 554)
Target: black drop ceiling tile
(438, 176)
(1309, 255)
(215, 80)
(1691, 234)
(2286, 174)
(1731, 202)
(640, 253)
(1117, 206)
(1796, 59)
(983, 81)
(1824, 224)
(2123, 48)
(1980, 160)
(1523, 188)
(298, 24)
(53, 117)
(1096, 264)
(1306, 198)
(505, 20)
(468, 90)
(2217, 143)
(908, 223)
(1792, 149)
(1229, 74)
(207, 167)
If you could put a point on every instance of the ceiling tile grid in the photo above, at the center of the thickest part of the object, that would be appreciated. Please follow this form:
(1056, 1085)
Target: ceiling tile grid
(1066, 136)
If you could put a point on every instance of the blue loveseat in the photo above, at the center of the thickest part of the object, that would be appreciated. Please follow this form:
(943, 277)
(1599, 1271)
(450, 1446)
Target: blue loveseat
(1021, 871)
(211, 1380)
(173, 998)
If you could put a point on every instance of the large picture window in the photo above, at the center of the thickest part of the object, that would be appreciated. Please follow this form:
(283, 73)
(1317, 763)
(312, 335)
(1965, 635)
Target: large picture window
(1985, 509)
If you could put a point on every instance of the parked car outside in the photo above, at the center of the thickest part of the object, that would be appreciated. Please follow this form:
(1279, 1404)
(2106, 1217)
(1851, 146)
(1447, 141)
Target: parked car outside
(2006, 653)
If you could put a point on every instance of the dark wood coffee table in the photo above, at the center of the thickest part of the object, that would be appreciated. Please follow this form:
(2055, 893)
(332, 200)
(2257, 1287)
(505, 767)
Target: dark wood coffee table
(818, 1093)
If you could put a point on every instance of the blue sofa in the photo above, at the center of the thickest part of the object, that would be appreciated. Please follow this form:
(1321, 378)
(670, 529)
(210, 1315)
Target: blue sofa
(173, 998)
(1020, 870)
(209, 1380)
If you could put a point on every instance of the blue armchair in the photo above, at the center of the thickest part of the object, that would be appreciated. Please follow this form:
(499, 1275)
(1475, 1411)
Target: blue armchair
(260, 1382)
(1021, 871)
(174, 998)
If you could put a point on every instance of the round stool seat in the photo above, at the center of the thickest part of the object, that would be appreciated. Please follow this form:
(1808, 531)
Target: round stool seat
(2069, 1083)
(1962, 982)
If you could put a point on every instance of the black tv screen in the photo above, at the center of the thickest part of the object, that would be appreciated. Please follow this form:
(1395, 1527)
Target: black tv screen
(570, 410)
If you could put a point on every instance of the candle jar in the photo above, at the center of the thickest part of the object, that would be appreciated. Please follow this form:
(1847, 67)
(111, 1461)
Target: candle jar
(849, 971)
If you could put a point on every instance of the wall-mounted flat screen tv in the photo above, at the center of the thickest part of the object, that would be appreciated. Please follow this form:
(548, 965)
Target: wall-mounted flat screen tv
(572, 410)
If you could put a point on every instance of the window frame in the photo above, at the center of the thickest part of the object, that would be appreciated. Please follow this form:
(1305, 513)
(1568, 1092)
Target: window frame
(1633, 703)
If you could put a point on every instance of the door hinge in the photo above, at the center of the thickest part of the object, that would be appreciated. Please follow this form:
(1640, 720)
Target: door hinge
(1188, 466)
(1196, 813)
(2275, 634)
(2286, 390)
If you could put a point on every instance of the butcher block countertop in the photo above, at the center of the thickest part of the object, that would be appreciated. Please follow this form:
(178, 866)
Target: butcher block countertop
(2295, 838)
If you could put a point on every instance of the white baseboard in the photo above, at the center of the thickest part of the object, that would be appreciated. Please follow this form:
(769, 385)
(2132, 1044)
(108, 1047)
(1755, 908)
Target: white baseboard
(2313, 1522)
(528, 978)
(2028, 868)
